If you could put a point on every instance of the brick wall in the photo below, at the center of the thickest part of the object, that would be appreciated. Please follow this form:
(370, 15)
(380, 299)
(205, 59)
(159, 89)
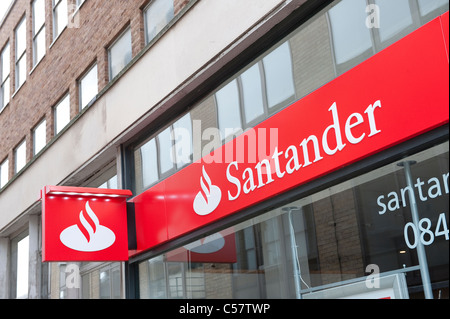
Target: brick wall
(85, 41)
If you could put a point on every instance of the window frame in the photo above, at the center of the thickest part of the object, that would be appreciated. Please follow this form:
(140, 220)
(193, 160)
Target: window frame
(41, 125)
(146, 22)
(56, 27)
(117, 40)
(22, 147)
(55, 114)
(22, 57)
(6, 50)
(4, 168)
(80, 87)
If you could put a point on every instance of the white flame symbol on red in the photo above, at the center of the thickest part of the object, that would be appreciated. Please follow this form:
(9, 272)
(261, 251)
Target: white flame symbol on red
(208, 198)
(90, 237)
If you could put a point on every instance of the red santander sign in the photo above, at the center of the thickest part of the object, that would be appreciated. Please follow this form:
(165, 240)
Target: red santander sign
(396, 95)
(84, 224)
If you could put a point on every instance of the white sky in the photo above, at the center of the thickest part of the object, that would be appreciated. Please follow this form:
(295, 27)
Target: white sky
(4, 5)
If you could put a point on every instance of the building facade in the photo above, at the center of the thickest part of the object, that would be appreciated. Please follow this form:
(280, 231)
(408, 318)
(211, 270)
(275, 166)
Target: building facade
(339, 187)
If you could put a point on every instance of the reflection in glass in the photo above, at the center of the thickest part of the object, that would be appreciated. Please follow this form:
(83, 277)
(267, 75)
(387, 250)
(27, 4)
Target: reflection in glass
(166, 156)
(278, 71)
(395, 16)
(350, 35)
(321, 245)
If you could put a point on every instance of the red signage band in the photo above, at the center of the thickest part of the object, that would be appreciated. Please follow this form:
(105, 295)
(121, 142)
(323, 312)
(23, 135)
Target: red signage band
(84, 224)
(399, 93)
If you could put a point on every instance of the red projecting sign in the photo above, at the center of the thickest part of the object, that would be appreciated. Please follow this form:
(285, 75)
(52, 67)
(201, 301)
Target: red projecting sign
(84, 224)
(398, 94)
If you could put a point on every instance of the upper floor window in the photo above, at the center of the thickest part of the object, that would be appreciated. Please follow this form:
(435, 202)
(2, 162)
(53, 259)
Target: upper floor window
(4, 173)
(38, 30)
(4, 77)
(21, 53)
(39, 137)
(60, 17)
(157, 15)
(120, 54)
(88, 86)
(20, 156)
(62, 114)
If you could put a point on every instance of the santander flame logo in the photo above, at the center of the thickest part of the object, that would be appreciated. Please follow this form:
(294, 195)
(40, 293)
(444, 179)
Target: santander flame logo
(89, 236)
(208, 198)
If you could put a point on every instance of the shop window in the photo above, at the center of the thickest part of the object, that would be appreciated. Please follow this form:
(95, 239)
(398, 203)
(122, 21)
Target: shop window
(228, 109)
(38, 30)
(156, 16)
(324, 245)
(279, 76)
(39, 137)
(110, 183)
(62, 114)
(4, 173)
(88, 86)
(19, 266)
(110, 282)
(20, 157)
(60, 17)
(5, 85)
(120, 54)
(21, 53)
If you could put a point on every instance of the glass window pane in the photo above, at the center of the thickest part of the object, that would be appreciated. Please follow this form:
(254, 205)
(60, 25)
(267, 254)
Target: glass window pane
(395, 16)
(5, 60)
(89, 87)
(39, 47)
(427, 6)
(228, 109)
(20, 156)
(4, 173)
(351, 37)
(105, 285)
(60, 17)
(38, 15)
(252, 93)
(149, 163)
(21, 71)
(21, 39)
(40, 139)
(62, 116)
(166, 158)
(120, 53)
(22, 268)
(278, 72)
(157, 16)
(5, 93)
(183, 140)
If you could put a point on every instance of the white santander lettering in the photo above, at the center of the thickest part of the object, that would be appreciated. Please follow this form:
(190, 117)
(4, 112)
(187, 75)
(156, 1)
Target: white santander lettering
(290, 161)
